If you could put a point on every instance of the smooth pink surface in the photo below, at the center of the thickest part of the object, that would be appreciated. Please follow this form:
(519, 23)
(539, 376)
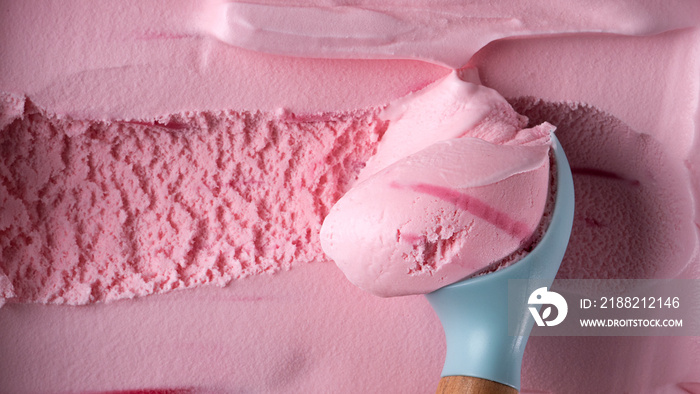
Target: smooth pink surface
(457, 184)
(139, 60)
(446, 32)
(641, 95)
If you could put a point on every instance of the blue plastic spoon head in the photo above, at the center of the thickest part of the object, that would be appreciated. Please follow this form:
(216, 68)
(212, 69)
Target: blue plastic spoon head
(475, 312)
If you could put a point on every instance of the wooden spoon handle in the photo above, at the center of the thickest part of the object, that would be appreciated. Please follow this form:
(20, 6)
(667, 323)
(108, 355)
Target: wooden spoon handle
(472, 385)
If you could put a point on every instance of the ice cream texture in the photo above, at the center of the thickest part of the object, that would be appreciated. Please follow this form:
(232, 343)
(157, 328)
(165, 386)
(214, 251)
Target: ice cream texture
(618, 79)
(112, 210)
(457, 184)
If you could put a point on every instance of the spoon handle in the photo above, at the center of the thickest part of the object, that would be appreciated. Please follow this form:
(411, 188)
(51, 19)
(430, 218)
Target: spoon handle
(472, 385)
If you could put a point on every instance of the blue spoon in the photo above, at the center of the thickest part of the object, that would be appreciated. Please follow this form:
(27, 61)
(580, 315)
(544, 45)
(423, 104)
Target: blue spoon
(482, 355)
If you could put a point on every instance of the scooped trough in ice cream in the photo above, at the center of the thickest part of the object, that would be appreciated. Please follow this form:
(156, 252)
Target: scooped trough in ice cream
(457, 184)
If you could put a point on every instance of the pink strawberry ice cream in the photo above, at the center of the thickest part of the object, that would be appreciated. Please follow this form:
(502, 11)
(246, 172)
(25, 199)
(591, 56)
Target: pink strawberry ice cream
(153, 146)
(448, 35)
(114, 210)
(456, 185)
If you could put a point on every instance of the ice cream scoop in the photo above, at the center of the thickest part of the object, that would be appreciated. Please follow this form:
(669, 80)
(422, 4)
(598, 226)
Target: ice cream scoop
(482, 355)
(457, 184)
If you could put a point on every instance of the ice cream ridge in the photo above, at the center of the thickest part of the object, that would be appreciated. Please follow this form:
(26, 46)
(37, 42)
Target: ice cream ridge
(458, 186)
